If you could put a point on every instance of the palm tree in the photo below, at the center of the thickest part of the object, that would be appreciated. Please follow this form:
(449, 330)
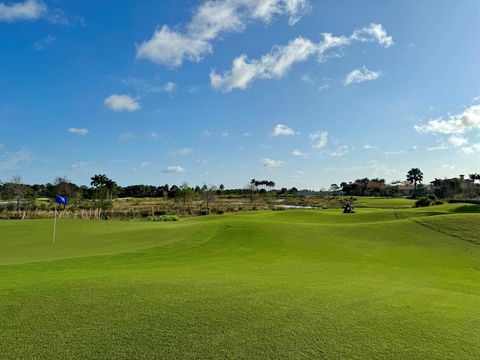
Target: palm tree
(110, 185)
(415, 176)
(96, 181)
(474, 177)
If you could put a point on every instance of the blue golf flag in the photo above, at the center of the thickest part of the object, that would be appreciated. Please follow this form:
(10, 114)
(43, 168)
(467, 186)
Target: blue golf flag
(61, 200)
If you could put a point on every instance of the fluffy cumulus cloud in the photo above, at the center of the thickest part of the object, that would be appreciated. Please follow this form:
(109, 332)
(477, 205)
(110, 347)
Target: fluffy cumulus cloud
(268, 163)
(360, 75)
(78, 131)
(211, 20)
(319, 139)
(173, 170)
(460, 123)
(280, 59)
(121, 103)
(282, 130)
(21, 11)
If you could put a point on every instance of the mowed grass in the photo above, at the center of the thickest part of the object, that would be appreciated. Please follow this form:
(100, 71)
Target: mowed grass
(381, 283)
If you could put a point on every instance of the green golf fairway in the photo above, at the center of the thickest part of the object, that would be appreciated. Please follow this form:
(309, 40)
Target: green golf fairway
(381, 283)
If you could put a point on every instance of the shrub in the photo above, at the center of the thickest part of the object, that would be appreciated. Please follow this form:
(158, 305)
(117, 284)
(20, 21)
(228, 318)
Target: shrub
(423, 202)
(161, 218)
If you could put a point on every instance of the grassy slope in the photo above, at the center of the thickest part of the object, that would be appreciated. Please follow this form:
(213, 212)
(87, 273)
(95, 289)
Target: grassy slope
(286, 284)
(386, 203)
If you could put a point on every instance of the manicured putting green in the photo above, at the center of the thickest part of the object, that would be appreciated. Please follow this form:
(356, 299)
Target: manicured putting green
(381, 283)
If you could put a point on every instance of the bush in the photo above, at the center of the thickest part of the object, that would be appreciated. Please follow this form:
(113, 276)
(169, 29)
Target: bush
(161, 218)
(423, 202)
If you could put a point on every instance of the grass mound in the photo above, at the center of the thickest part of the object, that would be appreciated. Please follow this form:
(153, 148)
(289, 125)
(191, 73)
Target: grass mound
(465, 227)
(284, 284)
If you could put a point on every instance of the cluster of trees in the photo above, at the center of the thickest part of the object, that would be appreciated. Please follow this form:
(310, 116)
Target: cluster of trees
(376, 186)
(103, 189)
(442, 188)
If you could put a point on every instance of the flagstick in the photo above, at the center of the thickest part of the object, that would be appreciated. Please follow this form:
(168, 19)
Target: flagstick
(55, 224)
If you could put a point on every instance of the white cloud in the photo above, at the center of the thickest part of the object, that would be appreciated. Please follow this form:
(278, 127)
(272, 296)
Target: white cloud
(173, 170)
(470, 150)
(282, 130)
(360, 75)
(476, 99)
(117, 102)
(455, 124)
(298, 152)
(280, 59)
(246, 134)
(320, 139)
(182, 152)
(211, 20)
(375, 31)
(78, 131)
(225, 134)
(206, 133)
(449, 166)
(369, 147)
(340, 151)
(440, 146)
(271, 164)
(26, 10)
(457, 140)
(170, 87)
(43, 43)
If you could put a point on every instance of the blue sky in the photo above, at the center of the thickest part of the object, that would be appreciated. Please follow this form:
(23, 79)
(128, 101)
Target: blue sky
(224, 91)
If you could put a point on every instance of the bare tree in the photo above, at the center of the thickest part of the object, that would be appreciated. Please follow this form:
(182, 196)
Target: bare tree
(208, 195)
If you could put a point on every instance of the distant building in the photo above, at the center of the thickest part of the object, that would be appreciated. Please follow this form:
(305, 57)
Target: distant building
(453, 186)
(375, 187)
(405, 189)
